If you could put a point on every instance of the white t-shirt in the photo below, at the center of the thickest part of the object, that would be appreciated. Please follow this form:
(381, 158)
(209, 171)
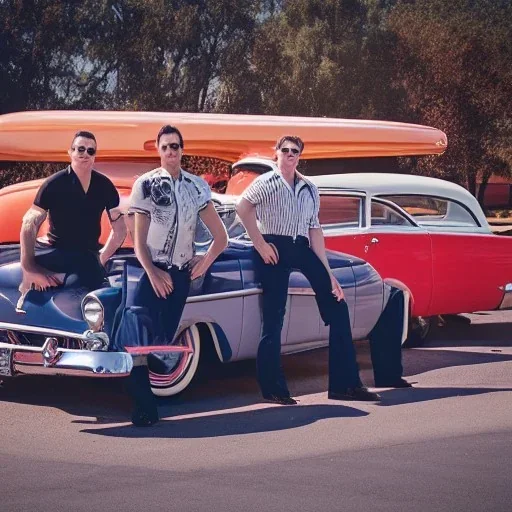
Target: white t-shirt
(173, 206)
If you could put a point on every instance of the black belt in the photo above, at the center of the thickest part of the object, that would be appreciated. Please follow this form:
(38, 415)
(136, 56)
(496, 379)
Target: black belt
(165, 266)
(298, 240)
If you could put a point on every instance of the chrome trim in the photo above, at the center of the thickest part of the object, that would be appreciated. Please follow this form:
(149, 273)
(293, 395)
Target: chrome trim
(506, 301)
(224, 295)
(32, 361)
(50, 351)
(91, 340)
(300, 291)
(41, 330)
(243, 293)
(95, 340)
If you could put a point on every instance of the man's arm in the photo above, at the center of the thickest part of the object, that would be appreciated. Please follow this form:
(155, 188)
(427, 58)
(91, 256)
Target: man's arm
(33, 274)
(247, 213)
(220, 240)
(160, 280)
(116, 236)
(316, 237)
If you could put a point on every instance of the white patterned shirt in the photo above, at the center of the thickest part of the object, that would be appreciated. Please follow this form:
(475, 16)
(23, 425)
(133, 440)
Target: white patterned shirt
(281, 209)
(173, 206)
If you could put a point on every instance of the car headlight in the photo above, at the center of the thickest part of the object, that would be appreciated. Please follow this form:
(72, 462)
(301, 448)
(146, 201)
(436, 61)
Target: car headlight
(93, 313)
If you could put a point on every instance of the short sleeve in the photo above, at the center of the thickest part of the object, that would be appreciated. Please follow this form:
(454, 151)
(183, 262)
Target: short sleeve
(111, 196)
(43, 197)
(205, 194)
(314, 221)
(254, 193)
(140, 198)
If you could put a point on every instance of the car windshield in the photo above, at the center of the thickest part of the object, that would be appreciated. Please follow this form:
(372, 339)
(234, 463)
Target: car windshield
(234, 227)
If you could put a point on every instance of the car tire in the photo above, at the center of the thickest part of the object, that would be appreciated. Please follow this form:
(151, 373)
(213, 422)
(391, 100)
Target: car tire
(419, 331)
(171, 373)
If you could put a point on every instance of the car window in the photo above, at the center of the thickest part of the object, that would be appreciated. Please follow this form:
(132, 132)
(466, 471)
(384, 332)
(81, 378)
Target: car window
(340, 211)
(434, 211)
(229, 218)
(385, 215)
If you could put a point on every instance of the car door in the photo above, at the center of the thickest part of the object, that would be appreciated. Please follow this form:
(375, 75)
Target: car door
(386, 237)
(470, 265)
(470, 270)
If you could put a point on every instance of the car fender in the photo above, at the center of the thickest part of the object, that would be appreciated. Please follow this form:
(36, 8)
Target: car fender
(389, 284)
(218, 336)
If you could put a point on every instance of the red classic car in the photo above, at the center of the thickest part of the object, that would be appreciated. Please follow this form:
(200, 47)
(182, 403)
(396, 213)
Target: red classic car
(428, 234)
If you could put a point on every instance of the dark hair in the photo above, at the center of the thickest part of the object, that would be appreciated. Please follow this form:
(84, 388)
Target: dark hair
(168, 129)
(83, 133)
(291, 138)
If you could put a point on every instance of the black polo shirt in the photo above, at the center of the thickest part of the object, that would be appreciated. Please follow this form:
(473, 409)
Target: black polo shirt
(75, 216)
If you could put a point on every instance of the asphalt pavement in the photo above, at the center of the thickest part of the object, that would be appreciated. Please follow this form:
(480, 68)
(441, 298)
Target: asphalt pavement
(444, 445)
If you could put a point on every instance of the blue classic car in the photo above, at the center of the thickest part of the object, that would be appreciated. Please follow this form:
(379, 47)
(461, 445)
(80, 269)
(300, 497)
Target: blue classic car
(67, 331)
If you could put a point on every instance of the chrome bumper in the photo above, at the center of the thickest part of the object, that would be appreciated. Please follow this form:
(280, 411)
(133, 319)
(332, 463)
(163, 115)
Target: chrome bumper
(26, 360)
(506, 301)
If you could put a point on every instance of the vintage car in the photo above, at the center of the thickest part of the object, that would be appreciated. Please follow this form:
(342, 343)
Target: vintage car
(429, 234)
(63, 331)
(67, 331)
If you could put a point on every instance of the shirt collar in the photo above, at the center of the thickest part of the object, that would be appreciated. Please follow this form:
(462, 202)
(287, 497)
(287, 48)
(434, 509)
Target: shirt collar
(299, 180)
(167, 173)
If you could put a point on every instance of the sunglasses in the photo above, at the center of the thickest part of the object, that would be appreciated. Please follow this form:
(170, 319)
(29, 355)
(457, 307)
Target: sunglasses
(173, 145)
(287, 150)
(83, 149)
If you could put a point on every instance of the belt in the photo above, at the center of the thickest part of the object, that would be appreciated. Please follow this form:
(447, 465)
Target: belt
(165, 266)
(298, 240)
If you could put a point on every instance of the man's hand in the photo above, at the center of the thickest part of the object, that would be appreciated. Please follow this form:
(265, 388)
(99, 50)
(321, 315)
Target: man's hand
(38, 278)
(198, 266)
(161, 282)
(268, 252)
(337, 290)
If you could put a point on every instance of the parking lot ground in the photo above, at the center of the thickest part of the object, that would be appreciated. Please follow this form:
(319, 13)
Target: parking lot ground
(444, 445)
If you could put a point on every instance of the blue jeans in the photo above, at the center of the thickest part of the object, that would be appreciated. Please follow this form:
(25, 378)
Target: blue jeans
(165, 313)
(343, 368)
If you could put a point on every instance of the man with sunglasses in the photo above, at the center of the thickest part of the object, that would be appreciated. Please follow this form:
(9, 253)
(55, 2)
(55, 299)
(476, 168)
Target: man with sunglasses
(289, 236)
(74, 200)
(167, 203)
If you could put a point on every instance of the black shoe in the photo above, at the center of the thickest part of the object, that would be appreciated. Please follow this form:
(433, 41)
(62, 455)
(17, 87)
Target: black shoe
(144, 417)
(281, 400)
(145, 411)
(360, 393)
(401, 383)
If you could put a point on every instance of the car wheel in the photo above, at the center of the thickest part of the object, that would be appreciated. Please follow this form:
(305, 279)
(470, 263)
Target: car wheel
(419, 330)
(171, 372)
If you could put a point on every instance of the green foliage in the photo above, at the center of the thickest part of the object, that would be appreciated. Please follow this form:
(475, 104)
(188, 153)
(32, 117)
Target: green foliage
(445, 64)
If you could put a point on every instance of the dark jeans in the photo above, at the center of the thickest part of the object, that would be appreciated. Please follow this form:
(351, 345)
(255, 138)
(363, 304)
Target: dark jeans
(386, 341)
(164, 318)
(165, 313)
(343, 368)
(85, 264)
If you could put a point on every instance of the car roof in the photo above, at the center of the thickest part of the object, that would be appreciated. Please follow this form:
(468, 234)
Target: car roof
(380, 184)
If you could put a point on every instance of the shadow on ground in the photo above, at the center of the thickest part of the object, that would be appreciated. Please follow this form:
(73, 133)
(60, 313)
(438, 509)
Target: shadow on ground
(270, 419)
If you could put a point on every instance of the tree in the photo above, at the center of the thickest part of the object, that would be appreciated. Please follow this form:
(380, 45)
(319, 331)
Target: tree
(456, 68)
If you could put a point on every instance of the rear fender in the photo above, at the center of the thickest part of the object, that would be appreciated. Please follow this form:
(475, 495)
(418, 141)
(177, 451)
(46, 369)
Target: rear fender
(389, 284)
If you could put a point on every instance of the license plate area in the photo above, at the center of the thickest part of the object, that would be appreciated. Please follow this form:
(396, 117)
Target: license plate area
(5, 362)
